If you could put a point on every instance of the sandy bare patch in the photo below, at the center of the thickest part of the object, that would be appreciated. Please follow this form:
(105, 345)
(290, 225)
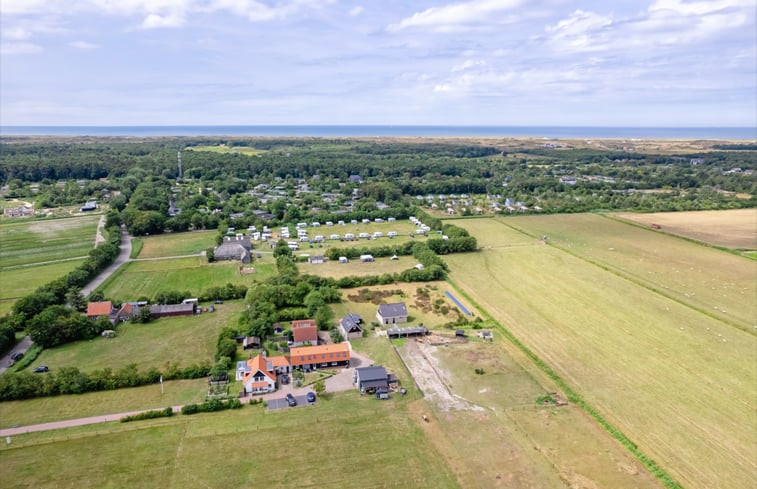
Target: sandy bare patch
(432, 378)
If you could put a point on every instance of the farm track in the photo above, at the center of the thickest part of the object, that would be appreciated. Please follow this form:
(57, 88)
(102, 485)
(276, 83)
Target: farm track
(621, 274)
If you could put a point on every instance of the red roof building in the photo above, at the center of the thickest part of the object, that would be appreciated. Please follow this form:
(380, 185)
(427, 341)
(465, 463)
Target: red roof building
(304, 331)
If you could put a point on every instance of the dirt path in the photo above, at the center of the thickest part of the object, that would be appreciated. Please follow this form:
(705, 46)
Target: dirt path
(122, 258)
(99, 238)
(21, 347)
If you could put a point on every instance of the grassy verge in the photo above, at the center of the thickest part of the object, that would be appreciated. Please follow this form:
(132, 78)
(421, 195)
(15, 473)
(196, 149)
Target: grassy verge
(136, 247)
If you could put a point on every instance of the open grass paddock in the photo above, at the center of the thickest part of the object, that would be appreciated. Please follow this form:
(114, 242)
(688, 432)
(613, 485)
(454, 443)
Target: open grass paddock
(720, 284)
(58, 408)
(147, 278)
(680, 384)
(27, 242)
(18, 282)
(177, 244)
(733, 228)
(536, 447)
(245, 150)
(181, 340)
(347, 441)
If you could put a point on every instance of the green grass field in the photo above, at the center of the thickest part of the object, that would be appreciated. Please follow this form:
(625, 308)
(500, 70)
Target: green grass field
(146, 278)
(720, 284)
(679, 383)
(347, 441)
(177, 244)
(17, 282)
(245, 150)
(57, 408)
(181, 340)
(28, 242)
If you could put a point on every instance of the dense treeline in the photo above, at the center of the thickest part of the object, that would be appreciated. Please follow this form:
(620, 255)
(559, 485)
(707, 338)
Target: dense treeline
(70, 380)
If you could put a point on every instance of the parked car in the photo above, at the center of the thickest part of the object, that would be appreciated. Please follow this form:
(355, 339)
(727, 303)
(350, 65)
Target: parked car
(311, 397)
(284, 379)
(218, 301)
(291, 400)
(41, 369)
(17, 356)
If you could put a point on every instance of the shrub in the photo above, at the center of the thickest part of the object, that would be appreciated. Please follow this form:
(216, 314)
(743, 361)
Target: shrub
(162, 413)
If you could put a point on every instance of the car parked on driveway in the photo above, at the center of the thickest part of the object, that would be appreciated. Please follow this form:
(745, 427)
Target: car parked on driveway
(41, 369)
(311, 397)
(291, 400)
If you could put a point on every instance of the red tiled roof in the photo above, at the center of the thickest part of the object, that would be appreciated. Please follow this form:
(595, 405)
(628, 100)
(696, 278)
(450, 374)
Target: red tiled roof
(259, 363)
(99, 308)
(335, 352)
(304, 330)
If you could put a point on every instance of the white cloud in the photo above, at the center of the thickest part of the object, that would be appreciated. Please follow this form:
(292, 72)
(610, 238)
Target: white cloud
(16, 33)
(457, 15)
(355, 11)
(82, 45)
(153, 21)
(468, 64)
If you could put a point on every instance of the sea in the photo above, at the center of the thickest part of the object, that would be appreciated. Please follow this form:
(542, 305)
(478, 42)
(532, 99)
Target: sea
(547, 132)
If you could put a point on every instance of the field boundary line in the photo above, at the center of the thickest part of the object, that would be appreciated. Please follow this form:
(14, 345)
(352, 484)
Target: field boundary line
(618, 273)
(574, 397)
(40, 263)
(409, 373)
(725, 249)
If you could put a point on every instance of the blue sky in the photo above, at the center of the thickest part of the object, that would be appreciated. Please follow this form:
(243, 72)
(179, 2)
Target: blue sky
(477, 62)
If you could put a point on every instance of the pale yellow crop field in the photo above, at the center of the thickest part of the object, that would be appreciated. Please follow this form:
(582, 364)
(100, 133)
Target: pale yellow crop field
(733, 228)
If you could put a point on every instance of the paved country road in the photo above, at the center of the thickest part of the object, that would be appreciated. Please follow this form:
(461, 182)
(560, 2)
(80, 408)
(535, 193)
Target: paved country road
(22, 346)
(122, 258)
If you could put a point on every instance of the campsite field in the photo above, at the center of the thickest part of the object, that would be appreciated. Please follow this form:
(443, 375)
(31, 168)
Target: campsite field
(663, 373)
(177, 244)
(733, 228)
(334, 269)
(58, 408)
(181, 340)
(147, 278)
(214, 450)
(30, 242)
(719, 284)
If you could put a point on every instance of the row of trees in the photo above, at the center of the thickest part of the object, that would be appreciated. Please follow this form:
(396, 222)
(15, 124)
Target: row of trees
(70, 380)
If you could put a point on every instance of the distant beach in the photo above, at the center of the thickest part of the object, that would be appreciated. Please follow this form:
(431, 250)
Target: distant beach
(555, 132)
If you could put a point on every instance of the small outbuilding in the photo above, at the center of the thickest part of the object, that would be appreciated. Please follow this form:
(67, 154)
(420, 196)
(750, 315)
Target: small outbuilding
(406, 332)
(392, 313)
(371, 379)
(351, 326)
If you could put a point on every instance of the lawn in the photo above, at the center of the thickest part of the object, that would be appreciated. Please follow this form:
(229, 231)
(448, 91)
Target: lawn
(719, 284)
(28, 242)
(734, 228)
(182, 340)
(351, 442)
(177, 244)
(18, 282)
(663, 373)
(245, 150)
(147, 278)
(57, 408)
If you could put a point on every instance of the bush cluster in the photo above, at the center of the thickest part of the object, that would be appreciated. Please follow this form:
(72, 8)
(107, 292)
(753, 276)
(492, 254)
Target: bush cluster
(159, 413)
(211, 405)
